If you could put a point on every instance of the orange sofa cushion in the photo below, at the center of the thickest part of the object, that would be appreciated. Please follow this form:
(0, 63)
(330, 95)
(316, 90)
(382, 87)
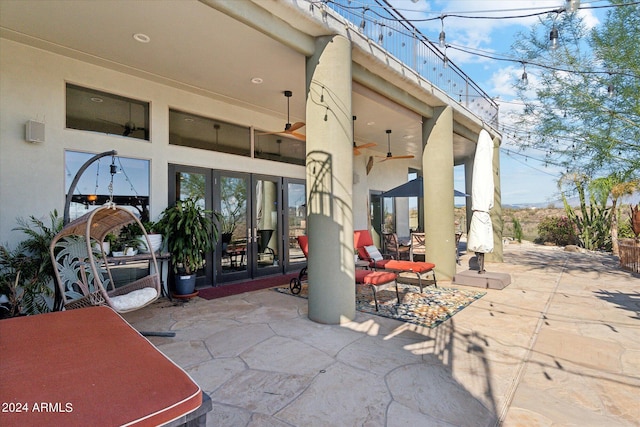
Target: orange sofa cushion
(88, 367)
(362, 238)
(412, 266)
(374, 278)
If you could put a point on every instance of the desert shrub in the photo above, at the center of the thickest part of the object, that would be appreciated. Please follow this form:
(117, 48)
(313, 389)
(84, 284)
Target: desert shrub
(558, 230)
(624, 230)
(517, 229)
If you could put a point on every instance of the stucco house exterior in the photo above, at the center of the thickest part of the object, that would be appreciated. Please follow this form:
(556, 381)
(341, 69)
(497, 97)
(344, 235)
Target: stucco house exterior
(198, 94)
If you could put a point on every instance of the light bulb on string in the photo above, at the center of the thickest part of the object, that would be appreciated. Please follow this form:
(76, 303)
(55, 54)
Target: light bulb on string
(610, 91)
(553, 38)
(524, 78)
(442, 37)
(363, 23)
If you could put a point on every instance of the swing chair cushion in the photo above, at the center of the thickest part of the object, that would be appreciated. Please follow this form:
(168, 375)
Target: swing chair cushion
(133, 300)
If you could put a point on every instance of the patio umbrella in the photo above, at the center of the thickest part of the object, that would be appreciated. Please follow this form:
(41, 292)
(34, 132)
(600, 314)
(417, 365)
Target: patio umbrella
(413, 188)
(480, 239)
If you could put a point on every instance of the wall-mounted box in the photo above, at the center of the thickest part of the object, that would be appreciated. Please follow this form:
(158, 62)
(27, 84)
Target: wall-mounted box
(34, 131)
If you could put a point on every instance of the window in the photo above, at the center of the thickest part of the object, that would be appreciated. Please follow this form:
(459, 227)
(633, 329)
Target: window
(190, 130)
(97, 111)
(130, 183)
(280, 149)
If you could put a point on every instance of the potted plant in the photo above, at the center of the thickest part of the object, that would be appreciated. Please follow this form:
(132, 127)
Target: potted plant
(126, 243)
(153, 232)
(190, 233)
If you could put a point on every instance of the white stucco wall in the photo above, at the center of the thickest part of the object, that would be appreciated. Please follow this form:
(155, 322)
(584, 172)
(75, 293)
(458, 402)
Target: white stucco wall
(32, 176)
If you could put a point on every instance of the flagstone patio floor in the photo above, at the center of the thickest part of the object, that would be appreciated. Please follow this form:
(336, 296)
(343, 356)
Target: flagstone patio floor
(559, 346)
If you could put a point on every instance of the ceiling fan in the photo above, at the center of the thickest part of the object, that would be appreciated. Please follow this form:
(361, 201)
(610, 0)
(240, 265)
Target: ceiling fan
(357, 148)
(389, 155)
(129, 127)
(289, 129)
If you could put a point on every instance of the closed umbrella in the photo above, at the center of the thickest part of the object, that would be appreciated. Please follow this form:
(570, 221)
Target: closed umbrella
(480, 239)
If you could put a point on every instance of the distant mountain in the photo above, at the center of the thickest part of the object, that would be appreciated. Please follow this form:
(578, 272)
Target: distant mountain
(574, 202)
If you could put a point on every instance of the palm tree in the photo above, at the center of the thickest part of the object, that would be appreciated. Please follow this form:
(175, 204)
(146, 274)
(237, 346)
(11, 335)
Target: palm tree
(615, 186)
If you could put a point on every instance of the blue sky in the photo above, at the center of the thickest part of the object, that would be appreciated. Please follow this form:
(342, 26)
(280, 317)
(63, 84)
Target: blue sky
(524, 179)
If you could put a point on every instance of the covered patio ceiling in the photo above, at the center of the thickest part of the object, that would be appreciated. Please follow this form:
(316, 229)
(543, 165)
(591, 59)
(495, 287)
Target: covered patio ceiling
(193, 46)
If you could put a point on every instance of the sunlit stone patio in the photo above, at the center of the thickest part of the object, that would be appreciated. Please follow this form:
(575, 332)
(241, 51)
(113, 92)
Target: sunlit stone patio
(559, 346)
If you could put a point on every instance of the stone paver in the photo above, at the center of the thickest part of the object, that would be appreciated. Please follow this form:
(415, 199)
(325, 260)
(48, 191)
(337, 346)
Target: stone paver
(559, 346)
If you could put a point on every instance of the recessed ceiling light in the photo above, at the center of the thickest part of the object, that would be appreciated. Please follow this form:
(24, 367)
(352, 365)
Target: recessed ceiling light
(408, 137)
(257, 80)
(96, 99)
(142, 38)
(371, 123)
(188, 119)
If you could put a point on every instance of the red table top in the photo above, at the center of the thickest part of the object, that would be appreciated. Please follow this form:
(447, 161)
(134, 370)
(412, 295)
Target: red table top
(87, 367)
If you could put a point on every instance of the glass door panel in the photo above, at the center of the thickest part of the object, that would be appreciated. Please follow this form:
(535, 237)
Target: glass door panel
(376, 216)
(266, 225)
(296, 215)
(193, 183)
(234, 248)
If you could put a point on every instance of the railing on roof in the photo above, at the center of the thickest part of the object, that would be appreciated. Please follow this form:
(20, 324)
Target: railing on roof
(384, 25)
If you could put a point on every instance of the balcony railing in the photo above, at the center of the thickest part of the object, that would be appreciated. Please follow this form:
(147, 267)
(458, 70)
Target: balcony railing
(384, 25)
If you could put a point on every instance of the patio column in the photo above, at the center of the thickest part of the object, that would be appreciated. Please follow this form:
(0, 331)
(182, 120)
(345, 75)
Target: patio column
(331, 269)
(496, 212)
(437, 164)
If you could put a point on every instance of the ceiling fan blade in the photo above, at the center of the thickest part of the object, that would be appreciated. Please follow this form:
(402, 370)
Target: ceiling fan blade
(294, 127)
(296, 135)
(408, 156)
(292, 135)
(271, 133)
(367, 145)
(356, 152)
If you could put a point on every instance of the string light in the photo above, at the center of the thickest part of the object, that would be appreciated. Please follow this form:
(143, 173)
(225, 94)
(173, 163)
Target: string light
(553, 38)
(524, 78)
(442, 36)
(364, 21)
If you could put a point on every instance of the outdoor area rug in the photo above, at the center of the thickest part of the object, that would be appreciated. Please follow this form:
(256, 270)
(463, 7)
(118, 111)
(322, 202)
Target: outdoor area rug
(248, 286)
(429, 308)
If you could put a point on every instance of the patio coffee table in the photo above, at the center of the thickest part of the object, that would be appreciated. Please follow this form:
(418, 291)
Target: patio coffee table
(89, 367)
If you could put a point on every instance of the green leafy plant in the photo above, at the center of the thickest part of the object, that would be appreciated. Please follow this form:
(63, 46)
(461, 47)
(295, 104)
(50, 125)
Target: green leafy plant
(557, 230)
(190, 232)
(26, 272)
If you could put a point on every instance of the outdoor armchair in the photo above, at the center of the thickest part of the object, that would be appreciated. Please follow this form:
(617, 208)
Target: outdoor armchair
(392, 247)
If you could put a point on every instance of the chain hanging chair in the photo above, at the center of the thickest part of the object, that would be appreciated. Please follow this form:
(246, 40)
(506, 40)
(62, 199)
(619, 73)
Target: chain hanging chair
(82, 270)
